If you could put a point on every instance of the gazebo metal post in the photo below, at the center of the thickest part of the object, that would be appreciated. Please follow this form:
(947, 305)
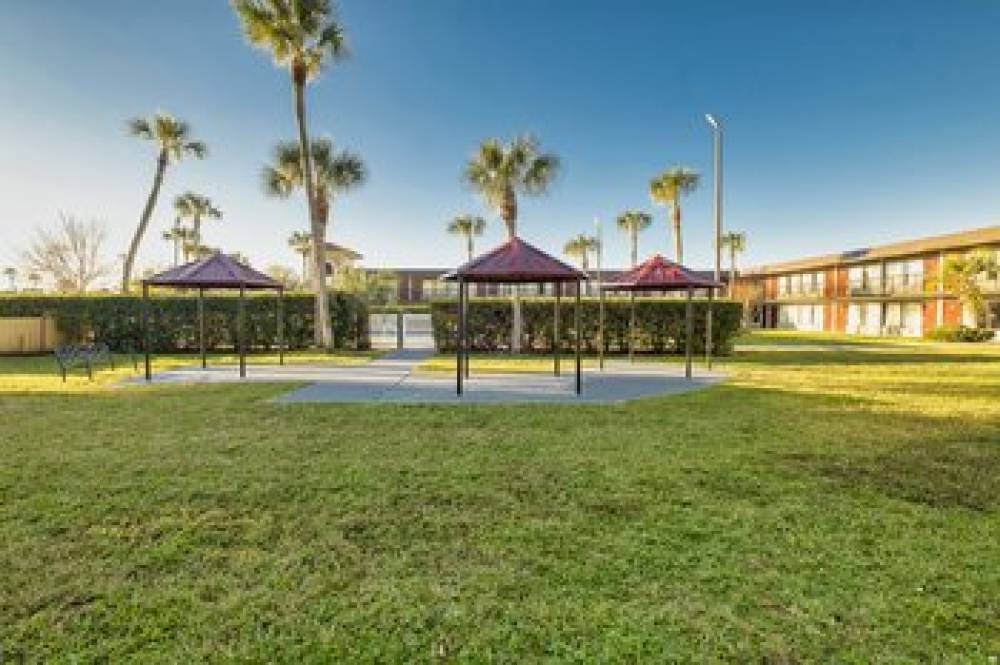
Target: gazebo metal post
(241, 332)
(281, 326)
(555, 330)
(631, 327)
(145, 329)
(600, 316)
(201, 326)
(689, 321)
(460, 337)
(708, 332)
(576, 325)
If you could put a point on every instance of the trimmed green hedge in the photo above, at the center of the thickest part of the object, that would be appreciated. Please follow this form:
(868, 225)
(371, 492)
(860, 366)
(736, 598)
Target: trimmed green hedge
(660, 324)
(959, 334)
(115, 320)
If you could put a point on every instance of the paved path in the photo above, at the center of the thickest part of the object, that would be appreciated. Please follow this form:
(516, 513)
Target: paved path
(391, 378)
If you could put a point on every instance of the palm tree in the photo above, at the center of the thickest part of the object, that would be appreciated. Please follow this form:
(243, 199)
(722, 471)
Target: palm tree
(11, 273)
(173, 140)
(468, 226)
(581, 246)
(183, 241)
(500, 172)
(196, 208)
(175, 236)
(334, 173)
(962, 278)
(632, 222)
(301, 244)
(304, 36)
(736, 241)
(667, 189)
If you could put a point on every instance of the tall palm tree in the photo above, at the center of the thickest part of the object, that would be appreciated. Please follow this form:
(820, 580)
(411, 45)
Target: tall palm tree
(304, 36)
(173, 140)
(196, 208)
(500, 172)
(581, 247)
(333, 174)
(632, 222)
(182, 239)
(468, 226)
(736, 241)
(667, 189)
(11, 273)
(301, 244)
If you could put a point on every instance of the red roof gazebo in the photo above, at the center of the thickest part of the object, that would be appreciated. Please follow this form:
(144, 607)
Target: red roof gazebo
(515, 262)
(658, 274)
(217, 271)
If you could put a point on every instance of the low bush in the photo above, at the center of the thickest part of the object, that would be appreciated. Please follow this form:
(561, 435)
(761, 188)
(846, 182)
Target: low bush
(660, 324)
(959, 334)
(116, 320)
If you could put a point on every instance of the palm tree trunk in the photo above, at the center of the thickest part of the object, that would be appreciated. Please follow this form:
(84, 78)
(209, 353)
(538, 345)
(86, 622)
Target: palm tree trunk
(732, 269)
(305, 267)
(635, 246)
(323, 327)
(509, 214)
(147, 212)
(196, 229)
(678, 245)
(468, 246)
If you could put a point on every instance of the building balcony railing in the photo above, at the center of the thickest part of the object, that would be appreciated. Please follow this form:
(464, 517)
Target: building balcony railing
(865, 287)
(809, 292)
(904, 284)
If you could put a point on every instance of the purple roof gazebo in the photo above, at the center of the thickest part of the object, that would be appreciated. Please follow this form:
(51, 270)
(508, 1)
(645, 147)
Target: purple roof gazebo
(217, 271)
(658, 274)
(515, 262)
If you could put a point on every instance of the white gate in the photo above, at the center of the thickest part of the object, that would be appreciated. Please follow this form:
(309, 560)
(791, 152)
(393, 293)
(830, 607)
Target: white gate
(383, 330)
(418, 333)
(401, 331)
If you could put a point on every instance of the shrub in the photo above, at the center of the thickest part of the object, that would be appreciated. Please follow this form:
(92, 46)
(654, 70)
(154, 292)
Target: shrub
(959, 334)
(116, 320)
(660, 324)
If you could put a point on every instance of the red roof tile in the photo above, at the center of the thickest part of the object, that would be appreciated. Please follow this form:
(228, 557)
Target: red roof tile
(658, 274)
(516, 261)
(217, 271)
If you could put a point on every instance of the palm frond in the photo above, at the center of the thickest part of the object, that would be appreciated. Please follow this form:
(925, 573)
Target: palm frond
(139, 127)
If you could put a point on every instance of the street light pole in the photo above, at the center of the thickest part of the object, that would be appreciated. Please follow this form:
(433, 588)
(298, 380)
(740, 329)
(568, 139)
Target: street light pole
(716, 126)
(600, 293)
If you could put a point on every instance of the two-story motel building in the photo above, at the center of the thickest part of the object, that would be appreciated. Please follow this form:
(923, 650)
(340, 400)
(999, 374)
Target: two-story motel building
(894, 289)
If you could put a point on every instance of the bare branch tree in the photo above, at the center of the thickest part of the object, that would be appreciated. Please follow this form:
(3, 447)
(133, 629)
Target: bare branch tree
(71, 254)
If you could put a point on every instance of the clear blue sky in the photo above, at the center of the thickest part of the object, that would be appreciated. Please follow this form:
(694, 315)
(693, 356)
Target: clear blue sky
(848, 123)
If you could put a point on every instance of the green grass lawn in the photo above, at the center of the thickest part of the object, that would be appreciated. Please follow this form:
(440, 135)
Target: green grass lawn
(819, 506)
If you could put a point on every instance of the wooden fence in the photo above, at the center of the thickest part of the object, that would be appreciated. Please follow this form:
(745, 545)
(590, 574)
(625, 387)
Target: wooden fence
(27, 335)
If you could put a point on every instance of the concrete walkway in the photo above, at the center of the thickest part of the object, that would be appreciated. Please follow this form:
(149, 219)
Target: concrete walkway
(392, 379)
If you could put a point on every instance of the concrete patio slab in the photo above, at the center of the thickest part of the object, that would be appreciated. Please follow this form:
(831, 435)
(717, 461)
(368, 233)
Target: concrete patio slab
(393, 379)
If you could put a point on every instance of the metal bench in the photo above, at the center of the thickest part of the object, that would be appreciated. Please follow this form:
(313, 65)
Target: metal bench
(70, 356)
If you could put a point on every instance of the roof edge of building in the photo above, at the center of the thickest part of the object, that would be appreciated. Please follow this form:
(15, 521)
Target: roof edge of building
(957, 240)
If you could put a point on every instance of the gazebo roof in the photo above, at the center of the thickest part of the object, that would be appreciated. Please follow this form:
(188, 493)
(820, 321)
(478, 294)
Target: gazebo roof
(515, 261)
(217, 271)
(658, 274)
